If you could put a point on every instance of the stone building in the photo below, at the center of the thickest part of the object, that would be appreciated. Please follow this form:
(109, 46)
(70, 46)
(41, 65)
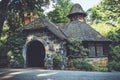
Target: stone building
(45, 39)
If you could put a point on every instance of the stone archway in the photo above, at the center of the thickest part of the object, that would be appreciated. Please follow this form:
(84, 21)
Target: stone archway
(35, 54)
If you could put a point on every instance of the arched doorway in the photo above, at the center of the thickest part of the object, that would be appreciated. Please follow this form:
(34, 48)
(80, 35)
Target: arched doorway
(35, 54)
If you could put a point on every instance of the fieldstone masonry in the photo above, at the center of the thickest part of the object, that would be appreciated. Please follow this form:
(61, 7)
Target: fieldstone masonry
(51, 43)
(98, 61)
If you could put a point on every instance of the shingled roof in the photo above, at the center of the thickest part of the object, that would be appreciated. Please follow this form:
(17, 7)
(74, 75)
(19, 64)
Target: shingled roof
(77, 9)
(82, 31)
(40, 22)
(75, 29)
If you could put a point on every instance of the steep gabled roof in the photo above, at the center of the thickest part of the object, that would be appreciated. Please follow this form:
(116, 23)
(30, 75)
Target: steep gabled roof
(40, 22)
(82, 31)
(75, 29)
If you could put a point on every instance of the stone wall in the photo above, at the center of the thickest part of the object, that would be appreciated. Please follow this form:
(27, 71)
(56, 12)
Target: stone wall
(103, 61)
(52, 44)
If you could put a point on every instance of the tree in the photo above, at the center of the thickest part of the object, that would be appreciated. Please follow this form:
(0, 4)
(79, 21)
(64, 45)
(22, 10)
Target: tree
(61, 10)
(107, 11)
(18, 7)
(114, 60)
(112, 11)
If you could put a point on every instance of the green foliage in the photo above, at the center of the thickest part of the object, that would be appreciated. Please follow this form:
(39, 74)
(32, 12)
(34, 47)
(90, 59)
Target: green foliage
(81, 64)
(103, 28)
(3, 40)
(4, 35)
(15, 44)
(61, 10)
(57, 62)
(12, 41)
(114, 66)
(107, 11)
(12, 46)
(100, 68)
(115, 53)
(114, 36)
(9, 54)
(16, 41)
(16, 10)
(19, 7)
(114, 63)
(76, 49)
(14, 22)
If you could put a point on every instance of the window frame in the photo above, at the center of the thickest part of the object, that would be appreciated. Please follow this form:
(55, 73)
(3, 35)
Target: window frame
(96, 49)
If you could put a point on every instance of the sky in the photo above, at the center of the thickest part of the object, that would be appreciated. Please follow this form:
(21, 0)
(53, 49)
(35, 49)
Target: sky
(86, 4)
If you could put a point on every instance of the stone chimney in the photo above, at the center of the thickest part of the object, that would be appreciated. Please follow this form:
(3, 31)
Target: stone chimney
(28, 17)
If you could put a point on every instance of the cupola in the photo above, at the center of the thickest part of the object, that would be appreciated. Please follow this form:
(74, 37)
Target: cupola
(77, 13)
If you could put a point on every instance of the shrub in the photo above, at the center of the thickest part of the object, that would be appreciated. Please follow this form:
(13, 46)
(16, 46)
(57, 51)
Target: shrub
(57, 62)
(100, 68)
(80, 64)
(76, 49)
(114, 61)
(114, 66)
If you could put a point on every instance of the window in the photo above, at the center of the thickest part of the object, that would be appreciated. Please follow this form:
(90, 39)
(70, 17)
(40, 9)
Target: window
(105, 49)
(99, 49)
(95, 50)
(91, 51)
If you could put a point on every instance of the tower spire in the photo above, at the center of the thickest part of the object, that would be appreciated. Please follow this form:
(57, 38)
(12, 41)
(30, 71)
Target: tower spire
(77, 13)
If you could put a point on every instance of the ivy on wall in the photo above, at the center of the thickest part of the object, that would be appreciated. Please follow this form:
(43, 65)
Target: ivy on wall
(15, 44)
